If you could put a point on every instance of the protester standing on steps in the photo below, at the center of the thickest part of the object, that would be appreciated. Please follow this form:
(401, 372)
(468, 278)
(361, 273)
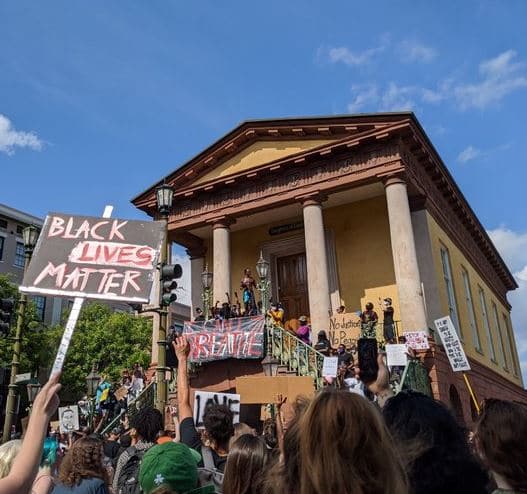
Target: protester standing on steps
(303, 333)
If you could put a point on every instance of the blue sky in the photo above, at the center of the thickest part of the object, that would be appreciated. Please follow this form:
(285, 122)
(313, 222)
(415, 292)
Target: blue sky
(100, 99)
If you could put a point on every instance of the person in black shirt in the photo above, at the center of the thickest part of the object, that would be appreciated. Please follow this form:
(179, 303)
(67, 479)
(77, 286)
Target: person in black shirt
(323, 345)
(218, 419)
(388, 323)
(343, 356)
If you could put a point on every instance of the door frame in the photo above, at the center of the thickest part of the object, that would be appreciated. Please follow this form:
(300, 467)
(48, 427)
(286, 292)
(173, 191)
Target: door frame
(296, 244)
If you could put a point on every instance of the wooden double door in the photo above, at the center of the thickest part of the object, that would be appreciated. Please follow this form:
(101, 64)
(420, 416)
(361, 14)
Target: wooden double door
(292, 285)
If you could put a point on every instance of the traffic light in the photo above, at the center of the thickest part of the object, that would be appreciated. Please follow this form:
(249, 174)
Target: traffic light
(7, 306)
(169, 274)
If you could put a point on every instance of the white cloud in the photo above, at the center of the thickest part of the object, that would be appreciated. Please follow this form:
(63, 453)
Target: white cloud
(468, 154)
(352, 58)
(392, 98)
(397, 98)
(10, 138)
(365, 95)
(413, 51)
(513, 248)
(500, 77)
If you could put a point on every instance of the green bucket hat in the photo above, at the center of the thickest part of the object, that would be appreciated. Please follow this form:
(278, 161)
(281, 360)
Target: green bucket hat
(172, 464)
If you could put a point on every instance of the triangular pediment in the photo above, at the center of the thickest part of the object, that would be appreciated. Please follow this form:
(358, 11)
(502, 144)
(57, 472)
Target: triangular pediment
(260, 153)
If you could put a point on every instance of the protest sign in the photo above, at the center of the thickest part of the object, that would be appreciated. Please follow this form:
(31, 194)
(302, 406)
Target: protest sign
(418, 340)
(69, 419)
(450, 339)
(344, 329)
(396, 355)
(330, 366)
(89, 257)
(203, 399)
(240, 338)
(263, 389)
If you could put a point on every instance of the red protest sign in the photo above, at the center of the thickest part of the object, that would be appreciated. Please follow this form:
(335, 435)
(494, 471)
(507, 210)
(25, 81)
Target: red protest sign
(101, 258)
(240, 338)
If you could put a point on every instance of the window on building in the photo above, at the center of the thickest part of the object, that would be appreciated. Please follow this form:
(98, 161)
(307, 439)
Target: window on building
(40, 304)
(3, 224)
(485, 317)
(470, 309)
(2, 240)
(511, 345)
(501, 346)
(20, 259)
(451, 297)
(19, 229)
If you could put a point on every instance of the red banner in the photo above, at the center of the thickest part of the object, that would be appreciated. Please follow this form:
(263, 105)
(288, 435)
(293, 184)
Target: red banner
(240, 338)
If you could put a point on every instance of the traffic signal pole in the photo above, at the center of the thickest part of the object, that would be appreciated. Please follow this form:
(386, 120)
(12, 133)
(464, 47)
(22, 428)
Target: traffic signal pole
(161, 390)
(10, 410)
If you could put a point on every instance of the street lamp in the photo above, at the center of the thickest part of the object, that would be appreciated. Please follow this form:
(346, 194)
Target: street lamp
(206, 281)
(165, 198)
(33, 388)
(29, 237)
(92, 382)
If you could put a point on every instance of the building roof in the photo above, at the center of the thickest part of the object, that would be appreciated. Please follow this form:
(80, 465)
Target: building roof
(17, 215)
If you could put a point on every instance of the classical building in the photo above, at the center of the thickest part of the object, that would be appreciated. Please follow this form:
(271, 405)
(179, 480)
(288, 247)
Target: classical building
(350, 209)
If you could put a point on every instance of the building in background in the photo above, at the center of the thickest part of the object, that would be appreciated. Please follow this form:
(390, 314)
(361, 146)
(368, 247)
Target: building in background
(349, 209)
(12, 260)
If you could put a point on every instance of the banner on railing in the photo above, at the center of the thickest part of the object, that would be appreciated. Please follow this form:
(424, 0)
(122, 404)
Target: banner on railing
(240, 338)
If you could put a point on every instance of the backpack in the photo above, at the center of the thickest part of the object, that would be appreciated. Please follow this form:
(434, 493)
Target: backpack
(128, 482)
(209, 474)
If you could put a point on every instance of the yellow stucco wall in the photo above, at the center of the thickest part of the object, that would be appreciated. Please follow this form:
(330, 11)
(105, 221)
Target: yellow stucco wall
(259, 153)
(458, 262)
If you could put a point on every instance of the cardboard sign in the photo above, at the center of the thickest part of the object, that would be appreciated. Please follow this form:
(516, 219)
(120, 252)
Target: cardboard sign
(450, 339)
(330, 366)
(240, 338)
(263, 389)
(418, 340)
(100, 258)
(69, 419)
(203, 399)
(396, 355)
(344, 329)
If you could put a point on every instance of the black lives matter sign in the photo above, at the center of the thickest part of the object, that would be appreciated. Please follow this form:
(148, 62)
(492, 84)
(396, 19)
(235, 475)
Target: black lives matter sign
(100, 258)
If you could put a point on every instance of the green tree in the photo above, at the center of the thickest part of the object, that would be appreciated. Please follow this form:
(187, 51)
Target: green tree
(34, 338)
(112, 340)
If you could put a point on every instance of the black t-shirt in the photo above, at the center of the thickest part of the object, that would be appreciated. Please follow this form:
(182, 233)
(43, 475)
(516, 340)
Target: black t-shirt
(344, 358)
(111, 449)
(323, 346)
(190, 437)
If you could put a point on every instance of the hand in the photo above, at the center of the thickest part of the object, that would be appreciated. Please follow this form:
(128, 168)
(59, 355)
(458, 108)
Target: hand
(280, 401)
(173, 411)
(181, 347)
(47, 400)
(382, 383)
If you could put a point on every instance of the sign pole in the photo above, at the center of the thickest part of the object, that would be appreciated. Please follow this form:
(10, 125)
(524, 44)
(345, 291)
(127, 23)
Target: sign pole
(72, 320)
(471, 391)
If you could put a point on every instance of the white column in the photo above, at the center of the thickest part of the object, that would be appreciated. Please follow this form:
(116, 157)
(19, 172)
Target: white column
(221, 260)
(197, 265)
(317, 265)
(405, 265)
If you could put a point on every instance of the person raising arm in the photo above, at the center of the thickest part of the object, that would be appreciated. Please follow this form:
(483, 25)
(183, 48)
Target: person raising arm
(25, 466)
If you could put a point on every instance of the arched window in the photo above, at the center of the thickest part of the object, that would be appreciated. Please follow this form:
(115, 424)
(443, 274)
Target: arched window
(455, 404)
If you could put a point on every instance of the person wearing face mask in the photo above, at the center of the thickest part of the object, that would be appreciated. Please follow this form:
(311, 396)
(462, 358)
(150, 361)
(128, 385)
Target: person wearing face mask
(388, 323)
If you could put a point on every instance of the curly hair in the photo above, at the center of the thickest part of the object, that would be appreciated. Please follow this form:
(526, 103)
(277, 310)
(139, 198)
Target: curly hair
(218, 424)
(82, 461)
(147, 422)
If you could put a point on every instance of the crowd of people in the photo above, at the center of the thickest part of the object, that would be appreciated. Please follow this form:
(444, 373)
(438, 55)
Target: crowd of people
(336, 442)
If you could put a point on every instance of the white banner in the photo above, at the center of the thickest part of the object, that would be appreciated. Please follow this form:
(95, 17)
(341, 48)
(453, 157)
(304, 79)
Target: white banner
(69, 419)
(330, 367)
(396, 355)
(203, 399)
(453, 348)
(418, 340)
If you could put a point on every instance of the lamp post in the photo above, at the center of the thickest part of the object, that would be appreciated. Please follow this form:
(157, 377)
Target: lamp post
(33, 388)
(269, 363)
(206, 282)
(29, 237)
(92, 381)
(165, 197)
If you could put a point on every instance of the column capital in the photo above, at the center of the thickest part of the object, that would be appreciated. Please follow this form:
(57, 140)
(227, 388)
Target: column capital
(392, 179)
(313, 199)
(222, 222)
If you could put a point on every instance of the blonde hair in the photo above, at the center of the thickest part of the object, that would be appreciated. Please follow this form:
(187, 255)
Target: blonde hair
(8, 452)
